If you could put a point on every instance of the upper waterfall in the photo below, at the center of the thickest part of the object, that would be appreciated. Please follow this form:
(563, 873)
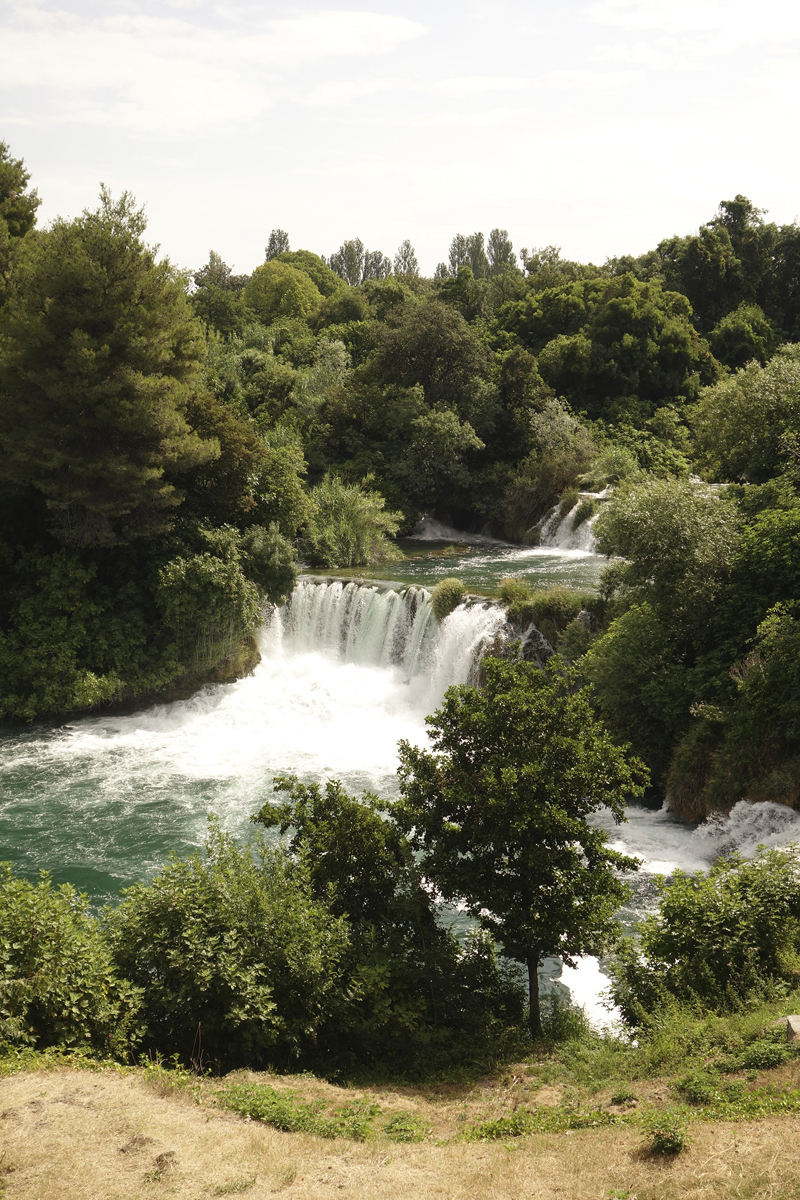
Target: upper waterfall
(360, 623)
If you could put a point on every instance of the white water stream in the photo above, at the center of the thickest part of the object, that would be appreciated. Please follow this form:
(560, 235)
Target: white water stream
(346, 671)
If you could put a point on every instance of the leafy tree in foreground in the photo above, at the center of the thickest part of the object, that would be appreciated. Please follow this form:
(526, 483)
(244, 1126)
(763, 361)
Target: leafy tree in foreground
(413, 991)
(498, 813)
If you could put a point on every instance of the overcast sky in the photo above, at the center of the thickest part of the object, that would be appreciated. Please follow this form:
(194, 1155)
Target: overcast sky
(598, 125)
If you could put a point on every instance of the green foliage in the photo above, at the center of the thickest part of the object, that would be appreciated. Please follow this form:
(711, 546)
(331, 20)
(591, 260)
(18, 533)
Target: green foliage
(320, 274)
(640, 686)
(100, 359)
(742, 336)
(601, 339)
(277, 289)
(407, 1128)
(208, 604)
(584, 512)
(415, 996)
(58, 983)
(349, 526)
(677, 540)
(739, 422)
(513, 591)
(665, 1132)
(236, 962)
(283, 1110)
(17, 211)
(446, 596)
(551, 610)
(567, 501)
(497, 812)
(717, 938)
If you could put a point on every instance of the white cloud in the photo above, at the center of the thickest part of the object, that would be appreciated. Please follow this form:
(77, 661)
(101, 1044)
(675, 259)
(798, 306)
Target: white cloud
(735, 21)
(479, 85)
(166, 75)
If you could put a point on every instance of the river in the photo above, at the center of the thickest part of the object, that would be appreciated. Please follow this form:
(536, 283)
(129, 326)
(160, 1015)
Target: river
(347, 670)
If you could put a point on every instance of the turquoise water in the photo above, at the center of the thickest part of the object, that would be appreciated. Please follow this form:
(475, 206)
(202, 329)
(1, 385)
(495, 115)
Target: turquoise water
(483, 565)
(100, 801)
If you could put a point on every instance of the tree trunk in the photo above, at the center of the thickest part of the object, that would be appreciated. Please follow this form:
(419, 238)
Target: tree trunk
(535, 1018)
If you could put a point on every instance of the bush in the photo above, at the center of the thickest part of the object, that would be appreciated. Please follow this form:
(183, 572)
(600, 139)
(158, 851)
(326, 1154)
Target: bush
(446, 596)
(567, 501)
(58, 983)
(584, 512)
(349, 527)
(283, 1110)
(513, 591)
(716, 940)
(550, 609)
(235, 959)
(665, 1132)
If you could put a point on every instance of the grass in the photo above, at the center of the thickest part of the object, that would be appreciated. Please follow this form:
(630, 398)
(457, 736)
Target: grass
(63, 1130)
(704, 1106)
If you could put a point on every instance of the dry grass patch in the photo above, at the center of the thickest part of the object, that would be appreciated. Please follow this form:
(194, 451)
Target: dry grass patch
(72, 1135)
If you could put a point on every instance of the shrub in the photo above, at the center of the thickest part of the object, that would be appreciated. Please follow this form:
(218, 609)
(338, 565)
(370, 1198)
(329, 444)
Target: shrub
(283, 1110)
(446, 596)
(567, 501)
(665, 1132)
(407, 1127)
(717, 939)
(58, 983)
(513, 591)
(349, 527)
(550, 609)
(235, 959)
(585, 510)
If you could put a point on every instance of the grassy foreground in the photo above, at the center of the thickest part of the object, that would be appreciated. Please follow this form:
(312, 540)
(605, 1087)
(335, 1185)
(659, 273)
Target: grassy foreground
(575, 1122)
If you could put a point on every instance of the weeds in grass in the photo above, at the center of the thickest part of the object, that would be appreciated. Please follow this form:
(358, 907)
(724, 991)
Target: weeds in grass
(285, 1111)
(407, 1127)
(242, 1184)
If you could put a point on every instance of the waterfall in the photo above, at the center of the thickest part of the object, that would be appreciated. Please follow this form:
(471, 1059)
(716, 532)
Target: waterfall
(373, 627)
(559, 531)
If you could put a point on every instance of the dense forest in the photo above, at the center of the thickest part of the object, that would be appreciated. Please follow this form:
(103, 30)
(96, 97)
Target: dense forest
(173, 444)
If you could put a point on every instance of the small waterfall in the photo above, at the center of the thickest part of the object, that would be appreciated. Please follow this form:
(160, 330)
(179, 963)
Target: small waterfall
(560, 532)
(358, 623)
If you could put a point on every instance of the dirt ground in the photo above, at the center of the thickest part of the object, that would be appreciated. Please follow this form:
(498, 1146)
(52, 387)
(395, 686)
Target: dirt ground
(75, 1135)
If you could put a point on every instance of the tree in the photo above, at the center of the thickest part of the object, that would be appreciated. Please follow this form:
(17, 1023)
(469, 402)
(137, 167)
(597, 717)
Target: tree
(316, 268)
(405, 261)
(348, 261)
(497, 812)
(100, 359)
(277, 289)
(278, 244)
(459, 254)
(500, 251)
(17, 210)
(740, 421)
(677, 541)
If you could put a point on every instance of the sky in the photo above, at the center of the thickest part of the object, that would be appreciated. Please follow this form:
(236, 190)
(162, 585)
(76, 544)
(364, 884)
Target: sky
(600, 126)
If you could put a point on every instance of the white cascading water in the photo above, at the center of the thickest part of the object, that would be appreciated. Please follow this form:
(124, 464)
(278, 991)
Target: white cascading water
(560, 533)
